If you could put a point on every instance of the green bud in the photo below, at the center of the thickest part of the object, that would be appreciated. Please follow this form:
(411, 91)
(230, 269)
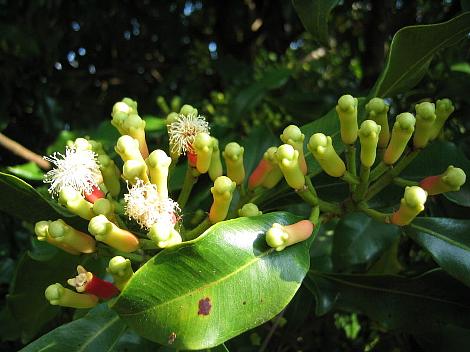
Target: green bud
(58, 295)
(60, 232)
(74, 201)
(131, 103)
(280, 236)
(171, 117)
(82, 144)
(377, 111)
(128, 148)
(444, 108)
(111, 174)
(233, 155)
(401, 134)
(215, 167)
(411, 205)
(175, 103)
(294, 137)
(164, 236)
(288, 161)
(41, 229)
(249, 209)
(107, 232)
(120, 269)
(275, 174)
(450, 181)
(222, 193)
(369, 137)
(97, 147)
(322, 149)
(203, 147)
(425, 117)
(158, 164)
(104, 207)
(134, 170)
(161, 102)
(347, 113)
(188, 110)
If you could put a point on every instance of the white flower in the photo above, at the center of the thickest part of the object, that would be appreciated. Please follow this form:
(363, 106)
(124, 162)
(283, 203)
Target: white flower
(146, 207)
(183, 131)
(78, 169)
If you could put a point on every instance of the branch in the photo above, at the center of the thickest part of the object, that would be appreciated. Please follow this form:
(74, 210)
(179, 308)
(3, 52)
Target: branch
(23, 152)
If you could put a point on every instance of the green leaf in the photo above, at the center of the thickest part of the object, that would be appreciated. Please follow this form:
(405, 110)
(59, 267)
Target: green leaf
(412, 50)
(99, 330)
(448, 241)
(203, 292)
(434, 160)
(463, 67)
(251, 96)
(26, 300)
(358, 239)
(314, 16)
(29, 171)
(154, 124)
(25, 203)
(424, 303)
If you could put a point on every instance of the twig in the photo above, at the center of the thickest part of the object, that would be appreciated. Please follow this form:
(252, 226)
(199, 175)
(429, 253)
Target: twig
(271, 332)
(23, 152)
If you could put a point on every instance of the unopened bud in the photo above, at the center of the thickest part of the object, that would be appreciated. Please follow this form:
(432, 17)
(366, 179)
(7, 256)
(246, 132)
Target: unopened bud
(288, 161)
(411, 205)
(347, 113)
(444, 108)
(158, 164)
(369, 137)
(222, 193)
(450, 181)
(377, 111)
(215, 167)
(249, 209)
(120, 269)
(425, 118)
(107, 232)
(280, 236)
(74, 202)
(233, 155)
(58, 295)
(202, 145)
(321, 147)
(294, 137)
(401, 133)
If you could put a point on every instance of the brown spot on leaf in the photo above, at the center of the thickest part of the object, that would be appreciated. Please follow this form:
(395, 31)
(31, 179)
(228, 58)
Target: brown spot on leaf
(204, 306)
(171, 338)
(244, 302)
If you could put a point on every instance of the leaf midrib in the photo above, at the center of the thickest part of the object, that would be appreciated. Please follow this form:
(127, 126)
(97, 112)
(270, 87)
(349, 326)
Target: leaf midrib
(420, 61)
(441, 237)
(97, 333)
(211, 284)
(397, 292)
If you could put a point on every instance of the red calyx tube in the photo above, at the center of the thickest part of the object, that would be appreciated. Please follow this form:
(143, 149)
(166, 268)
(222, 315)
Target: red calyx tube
(100, 288)
(94, 195)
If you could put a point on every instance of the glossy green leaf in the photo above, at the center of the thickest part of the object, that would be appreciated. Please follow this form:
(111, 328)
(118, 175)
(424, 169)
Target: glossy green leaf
(203, 292)
(29, 171)
(358, 239)
(423, 303)
(434, 160)
(99, 330)
(412, 50)
(448, 241)
(25, 203)
(314, 16)
(26, 300)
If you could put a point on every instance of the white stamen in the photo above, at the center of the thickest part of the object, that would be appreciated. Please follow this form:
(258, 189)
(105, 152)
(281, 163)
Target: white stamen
(183, 131)
(146, 207)
(78, 169)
